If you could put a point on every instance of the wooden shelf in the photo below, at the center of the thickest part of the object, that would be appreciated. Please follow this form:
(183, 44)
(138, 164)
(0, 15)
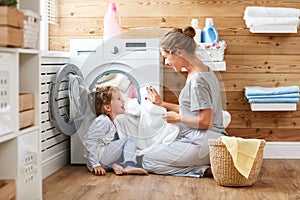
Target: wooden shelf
(274, 29)
(20, 149)
(273, 106)
(8, 136)
(20, 155)
(215, 66)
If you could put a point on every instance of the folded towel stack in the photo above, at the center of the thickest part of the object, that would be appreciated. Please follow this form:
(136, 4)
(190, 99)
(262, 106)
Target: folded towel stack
(285, 94)
(255, 15)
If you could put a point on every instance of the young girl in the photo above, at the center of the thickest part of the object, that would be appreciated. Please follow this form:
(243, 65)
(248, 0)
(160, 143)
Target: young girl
(103, 149)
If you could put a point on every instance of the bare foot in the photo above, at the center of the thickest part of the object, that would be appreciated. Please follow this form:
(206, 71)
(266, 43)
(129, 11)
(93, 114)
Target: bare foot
(118, 170)
(135, 170)
(208, 173)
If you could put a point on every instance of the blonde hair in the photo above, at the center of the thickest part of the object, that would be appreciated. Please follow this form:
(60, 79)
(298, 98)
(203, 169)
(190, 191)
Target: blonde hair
(178, 38)
(102, 97)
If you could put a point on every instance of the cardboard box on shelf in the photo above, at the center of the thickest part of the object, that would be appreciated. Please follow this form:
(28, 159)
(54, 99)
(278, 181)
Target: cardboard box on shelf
(26, 110)
(26, 101)
(11, 17)
(7, 189)
(11, 27)
(26, 118)
(11, 37)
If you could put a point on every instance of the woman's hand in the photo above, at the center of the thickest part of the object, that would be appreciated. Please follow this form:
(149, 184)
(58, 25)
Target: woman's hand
(172, 117)
(99, 171)
(155, 97)
(203, 121)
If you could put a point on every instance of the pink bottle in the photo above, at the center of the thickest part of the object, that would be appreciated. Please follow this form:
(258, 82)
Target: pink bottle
(111, 25)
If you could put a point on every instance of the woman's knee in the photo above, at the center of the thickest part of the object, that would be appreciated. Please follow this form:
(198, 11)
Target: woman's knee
(147, 162)
(203, 152)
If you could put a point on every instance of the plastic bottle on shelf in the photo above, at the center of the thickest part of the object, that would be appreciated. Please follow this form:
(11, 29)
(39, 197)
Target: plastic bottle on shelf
(195, 25)
(209, 32)
(111, 25)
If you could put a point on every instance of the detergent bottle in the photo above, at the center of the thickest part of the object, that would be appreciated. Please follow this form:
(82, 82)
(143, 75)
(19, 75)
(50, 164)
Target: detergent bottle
(111, 23)
(194, 24)
(209, 32)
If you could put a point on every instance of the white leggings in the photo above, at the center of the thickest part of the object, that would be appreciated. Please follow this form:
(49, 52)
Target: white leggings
(118, 152)
(189, 155)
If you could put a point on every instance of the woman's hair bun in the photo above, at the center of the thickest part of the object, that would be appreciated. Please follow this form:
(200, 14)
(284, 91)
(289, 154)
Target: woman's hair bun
(189, 31)
(174, 30)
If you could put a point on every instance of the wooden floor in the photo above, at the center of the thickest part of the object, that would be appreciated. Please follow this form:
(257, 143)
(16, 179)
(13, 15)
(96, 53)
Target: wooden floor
(279, 179)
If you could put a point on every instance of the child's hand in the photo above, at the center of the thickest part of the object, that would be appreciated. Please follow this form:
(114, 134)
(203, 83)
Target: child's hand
(99, 171)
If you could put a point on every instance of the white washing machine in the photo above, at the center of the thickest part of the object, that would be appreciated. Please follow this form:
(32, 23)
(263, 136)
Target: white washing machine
(130, 64)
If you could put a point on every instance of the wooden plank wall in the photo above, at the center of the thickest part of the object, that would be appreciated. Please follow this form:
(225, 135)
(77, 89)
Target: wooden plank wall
(267, 60)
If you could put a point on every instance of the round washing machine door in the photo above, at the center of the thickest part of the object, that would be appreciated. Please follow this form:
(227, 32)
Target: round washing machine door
(69, 100)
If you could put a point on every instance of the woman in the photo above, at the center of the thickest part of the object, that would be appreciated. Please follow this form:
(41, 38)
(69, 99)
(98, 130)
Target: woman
(199, 112)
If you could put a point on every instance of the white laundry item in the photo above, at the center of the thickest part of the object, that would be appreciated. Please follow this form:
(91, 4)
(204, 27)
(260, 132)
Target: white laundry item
(255, 21)
(132, 107)
(156, 127)
(144, 123)
(259, 11)
(116, 79)
(226, 118)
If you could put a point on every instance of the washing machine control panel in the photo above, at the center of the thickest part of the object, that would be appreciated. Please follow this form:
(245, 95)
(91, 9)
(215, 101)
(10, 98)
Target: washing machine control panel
(130, 49)
(136, 46)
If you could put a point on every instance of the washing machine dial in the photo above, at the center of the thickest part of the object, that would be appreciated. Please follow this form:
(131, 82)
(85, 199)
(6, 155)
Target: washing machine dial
(115, 50)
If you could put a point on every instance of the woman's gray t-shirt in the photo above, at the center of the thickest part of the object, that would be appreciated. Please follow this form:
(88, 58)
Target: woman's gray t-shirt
(202, 91)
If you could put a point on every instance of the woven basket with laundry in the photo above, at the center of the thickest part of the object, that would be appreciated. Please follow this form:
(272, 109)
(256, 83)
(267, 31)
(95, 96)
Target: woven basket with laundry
(212, 52)
(223, 166)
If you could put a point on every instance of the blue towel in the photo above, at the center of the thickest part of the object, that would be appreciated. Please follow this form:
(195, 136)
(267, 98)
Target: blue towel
(274, 100)
(291, 95)
(257, 90)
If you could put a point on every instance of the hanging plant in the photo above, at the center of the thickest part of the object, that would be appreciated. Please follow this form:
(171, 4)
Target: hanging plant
(10, 3)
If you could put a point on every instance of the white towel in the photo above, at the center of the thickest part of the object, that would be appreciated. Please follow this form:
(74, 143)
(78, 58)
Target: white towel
(226, 118)
(144, 123)
(259, 11)
(251, 21)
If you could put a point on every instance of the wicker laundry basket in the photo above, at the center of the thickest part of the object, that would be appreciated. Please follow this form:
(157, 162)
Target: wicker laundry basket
(31, 28)
(224, 170)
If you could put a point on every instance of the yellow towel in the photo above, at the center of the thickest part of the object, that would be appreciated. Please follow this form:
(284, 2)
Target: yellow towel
(243, 152)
